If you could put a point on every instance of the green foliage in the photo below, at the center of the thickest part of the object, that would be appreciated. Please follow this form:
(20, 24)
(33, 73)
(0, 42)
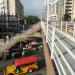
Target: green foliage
(30, 20)
(66, 17)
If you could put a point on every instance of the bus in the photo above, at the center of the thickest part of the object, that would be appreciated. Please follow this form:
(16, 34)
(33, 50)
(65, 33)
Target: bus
(22, 66)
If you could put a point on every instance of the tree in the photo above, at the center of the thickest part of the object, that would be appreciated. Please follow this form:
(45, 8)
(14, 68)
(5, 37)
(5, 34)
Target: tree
(74, 19)
(66, 17)
(30, 20)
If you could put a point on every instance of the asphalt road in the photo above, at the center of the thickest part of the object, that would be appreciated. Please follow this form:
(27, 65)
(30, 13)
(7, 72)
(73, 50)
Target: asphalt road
(4, 64)
(41, 71)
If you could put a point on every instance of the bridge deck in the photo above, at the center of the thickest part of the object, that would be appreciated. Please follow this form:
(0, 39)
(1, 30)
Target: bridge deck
(49, 65)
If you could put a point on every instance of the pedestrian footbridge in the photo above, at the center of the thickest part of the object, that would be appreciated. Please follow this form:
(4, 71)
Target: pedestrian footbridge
(59, 37)
(21, 37)
(61, 41)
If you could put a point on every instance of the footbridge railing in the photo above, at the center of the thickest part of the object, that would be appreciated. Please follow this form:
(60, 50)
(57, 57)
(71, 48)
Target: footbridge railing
(61, 41)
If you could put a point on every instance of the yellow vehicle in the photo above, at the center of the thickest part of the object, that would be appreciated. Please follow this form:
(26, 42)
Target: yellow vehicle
(22, 65)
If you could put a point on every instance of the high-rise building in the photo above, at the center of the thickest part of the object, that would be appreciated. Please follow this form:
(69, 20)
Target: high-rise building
(70, 8)
(11, 7)
(11, 17)
(53, 11)
(73, 13)
(61, 7)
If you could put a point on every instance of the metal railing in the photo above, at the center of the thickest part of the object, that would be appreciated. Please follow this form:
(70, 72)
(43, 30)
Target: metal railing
(61, 42)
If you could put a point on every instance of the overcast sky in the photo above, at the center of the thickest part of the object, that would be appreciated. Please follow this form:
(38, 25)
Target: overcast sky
(33, 7)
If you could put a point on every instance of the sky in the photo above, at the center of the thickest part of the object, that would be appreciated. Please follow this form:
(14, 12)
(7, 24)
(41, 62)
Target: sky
(33, 7)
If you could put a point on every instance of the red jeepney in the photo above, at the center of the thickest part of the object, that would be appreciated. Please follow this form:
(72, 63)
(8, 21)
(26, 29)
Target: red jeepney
(22, 65)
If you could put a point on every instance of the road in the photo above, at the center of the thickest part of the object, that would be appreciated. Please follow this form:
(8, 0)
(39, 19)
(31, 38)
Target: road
(42, 71)
(39, 72)
(4, 64)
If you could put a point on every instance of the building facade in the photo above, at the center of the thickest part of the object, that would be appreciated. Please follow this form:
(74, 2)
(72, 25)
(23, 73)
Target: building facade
(66, 7)
(70, 8)
(11, 16)
(53, 11)
(73, 13)
(3, 6)
(11, 7)
(61, 7)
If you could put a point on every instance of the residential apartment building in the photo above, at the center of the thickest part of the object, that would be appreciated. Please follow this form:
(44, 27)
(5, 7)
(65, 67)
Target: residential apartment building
(70, 8)
(61, 7)
(73, 13)
(53, 11)
(50, 10)
(11, 7)
(66, 7)
(57, 8)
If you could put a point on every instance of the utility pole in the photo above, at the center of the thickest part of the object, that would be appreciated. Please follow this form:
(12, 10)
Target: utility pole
(18, 23)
